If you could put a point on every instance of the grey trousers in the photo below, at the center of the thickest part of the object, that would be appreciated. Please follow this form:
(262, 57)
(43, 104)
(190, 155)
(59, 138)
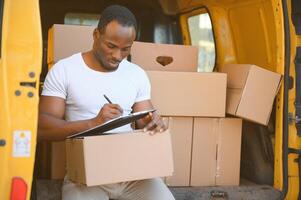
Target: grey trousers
(149, 189)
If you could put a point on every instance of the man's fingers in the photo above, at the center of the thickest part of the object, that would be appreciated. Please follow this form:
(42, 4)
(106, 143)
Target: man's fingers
(151, 125)
(116, 106)
(155, 126)
(115, 112)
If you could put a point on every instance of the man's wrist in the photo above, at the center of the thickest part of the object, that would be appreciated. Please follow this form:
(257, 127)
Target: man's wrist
(92, 123)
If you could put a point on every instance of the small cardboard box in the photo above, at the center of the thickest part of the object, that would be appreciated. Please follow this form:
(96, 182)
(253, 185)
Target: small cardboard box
(105, 159)
(61, 41)
(58, 160)
(165, 57)
(188, 93)
(216, 151)
(180, 129)
(251, 91)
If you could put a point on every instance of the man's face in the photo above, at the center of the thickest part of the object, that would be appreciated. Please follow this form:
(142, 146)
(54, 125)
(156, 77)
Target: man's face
(112, 45)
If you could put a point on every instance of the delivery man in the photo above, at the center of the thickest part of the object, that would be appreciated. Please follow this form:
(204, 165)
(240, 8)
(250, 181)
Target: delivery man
(75, 98)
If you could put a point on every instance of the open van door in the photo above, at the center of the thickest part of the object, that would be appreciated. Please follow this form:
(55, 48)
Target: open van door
(20, 66)
(289, 177)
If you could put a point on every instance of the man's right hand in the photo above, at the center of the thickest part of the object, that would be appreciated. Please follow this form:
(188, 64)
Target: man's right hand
(53, 126)
(108, 111)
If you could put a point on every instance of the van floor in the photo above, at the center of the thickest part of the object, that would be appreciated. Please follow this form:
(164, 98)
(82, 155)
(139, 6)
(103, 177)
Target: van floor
(51, 190)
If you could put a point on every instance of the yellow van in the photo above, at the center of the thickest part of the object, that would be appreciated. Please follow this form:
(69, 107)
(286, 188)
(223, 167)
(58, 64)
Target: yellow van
(266, 33)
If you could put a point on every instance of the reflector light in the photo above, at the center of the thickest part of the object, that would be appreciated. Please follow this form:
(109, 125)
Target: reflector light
(18, 189)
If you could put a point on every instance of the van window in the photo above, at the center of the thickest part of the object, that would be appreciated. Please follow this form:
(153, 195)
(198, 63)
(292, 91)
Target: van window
(201, 36)
(83, 19)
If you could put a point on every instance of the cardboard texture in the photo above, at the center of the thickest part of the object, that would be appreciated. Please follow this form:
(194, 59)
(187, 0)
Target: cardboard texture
(228, 151)
(98, 160)
(61, 41)
(180, 129)
(165, 57)
(216, 151)
(58, 160)
(188, 93)
(251, 91)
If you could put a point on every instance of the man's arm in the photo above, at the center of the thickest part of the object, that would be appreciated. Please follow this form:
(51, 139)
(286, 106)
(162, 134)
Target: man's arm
(52, 125)
(153, 122)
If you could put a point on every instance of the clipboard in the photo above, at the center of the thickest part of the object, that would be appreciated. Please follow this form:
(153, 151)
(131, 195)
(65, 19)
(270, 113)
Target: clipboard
(112, 124)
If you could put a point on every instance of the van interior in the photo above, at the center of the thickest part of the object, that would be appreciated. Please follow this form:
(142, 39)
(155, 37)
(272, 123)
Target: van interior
(159, 22)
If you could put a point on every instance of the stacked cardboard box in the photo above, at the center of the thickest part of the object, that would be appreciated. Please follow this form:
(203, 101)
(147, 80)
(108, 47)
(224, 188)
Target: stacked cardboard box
(251, 91)
(65, 40)
(194, 105)
(58, 160)
(61, 45)
(206, 145)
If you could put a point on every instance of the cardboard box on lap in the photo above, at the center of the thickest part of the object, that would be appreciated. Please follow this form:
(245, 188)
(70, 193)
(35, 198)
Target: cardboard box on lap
(216, 151)
(105, 159)
(251, 91)
(165, 57)
(188, 93)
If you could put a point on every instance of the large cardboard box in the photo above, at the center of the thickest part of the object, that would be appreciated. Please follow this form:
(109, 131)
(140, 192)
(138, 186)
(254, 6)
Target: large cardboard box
(61, 41)
(181, 136)
(251, 91)
(216, 151)
(105, 159)
(188, 93)
(58, 160)
(165, 57)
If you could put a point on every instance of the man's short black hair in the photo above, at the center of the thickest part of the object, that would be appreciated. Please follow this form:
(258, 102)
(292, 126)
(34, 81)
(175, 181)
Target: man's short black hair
(117, 13)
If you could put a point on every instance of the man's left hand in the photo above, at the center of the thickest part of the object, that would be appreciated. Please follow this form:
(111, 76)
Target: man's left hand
(155, 125)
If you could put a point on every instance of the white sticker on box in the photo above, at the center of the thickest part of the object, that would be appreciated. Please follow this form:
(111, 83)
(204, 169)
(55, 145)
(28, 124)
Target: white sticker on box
(21, 145)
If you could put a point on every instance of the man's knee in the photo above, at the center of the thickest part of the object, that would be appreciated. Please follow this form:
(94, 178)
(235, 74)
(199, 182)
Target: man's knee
(155, 189)
(76, 192)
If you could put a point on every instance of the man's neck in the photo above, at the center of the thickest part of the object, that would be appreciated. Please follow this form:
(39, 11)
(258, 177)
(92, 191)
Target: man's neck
(92, 62)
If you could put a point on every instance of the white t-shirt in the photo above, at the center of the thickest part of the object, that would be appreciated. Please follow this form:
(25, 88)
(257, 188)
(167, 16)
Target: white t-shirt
(83, 88)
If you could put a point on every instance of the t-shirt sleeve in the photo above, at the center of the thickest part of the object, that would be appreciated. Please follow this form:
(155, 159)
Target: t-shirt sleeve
(144, 88)
(55, 82)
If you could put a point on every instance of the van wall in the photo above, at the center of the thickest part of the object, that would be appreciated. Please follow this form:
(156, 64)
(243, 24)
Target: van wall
(246, 32)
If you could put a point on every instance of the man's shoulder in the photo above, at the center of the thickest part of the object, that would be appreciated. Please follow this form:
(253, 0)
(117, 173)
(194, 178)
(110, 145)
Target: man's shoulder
(70, 59)
(67, 62)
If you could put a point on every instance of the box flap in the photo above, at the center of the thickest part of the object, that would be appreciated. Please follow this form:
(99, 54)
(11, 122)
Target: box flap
(258, 95)
(237, 74)
(173, 57)
(233, 99)
(188, 93)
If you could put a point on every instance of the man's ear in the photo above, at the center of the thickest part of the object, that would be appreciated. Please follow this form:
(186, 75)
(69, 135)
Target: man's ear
(96, 34)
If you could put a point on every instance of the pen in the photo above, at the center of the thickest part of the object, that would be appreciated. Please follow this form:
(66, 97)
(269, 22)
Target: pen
(107, 98)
